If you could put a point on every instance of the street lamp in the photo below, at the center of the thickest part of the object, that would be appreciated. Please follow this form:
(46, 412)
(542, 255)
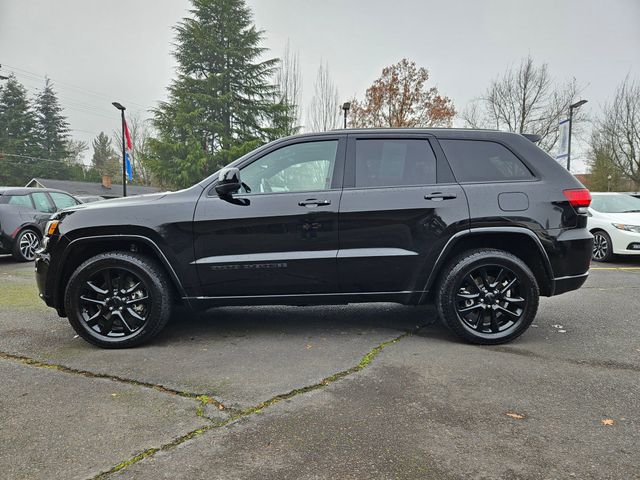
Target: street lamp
(346, 106)
(576, 105)
(124, 152)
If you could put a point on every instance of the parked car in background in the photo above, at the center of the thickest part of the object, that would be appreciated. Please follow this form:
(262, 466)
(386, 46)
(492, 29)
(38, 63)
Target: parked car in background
(614, 221)
(635, 194)
(89, 198)
(23, 215)
(479, 223)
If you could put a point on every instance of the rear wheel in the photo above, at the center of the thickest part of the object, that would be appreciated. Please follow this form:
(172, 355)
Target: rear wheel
(25, 246)
(488, 296)
(602, 247)
(118, 299)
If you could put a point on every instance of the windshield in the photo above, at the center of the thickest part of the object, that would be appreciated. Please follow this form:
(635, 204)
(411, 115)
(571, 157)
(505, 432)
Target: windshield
(615, 203)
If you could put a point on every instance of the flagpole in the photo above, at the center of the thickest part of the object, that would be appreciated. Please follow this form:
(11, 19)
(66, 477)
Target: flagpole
(124, 152)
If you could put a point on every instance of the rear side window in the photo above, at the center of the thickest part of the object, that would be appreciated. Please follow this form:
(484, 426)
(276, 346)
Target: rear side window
(22, 200)
(482, 161)
(42, 203)
(62, 201)
(391, 163)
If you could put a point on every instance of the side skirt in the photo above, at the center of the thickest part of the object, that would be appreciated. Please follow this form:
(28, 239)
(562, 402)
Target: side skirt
(405, 297)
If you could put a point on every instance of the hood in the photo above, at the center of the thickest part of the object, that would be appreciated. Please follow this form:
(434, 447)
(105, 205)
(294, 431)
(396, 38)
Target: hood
(631, 218)
(119, 202)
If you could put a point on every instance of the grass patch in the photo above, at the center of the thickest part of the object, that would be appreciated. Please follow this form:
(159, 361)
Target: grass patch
(20, 295)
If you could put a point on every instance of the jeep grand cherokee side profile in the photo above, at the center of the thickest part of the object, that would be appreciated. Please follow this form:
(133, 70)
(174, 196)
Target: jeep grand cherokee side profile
(481, 223)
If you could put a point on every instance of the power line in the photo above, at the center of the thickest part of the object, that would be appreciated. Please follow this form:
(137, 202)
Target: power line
(28, 157)
(70, 85)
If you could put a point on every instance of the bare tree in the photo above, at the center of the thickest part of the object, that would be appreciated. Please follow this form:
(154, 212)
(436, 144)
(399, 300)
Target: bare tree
(140, 133)
(288, 79)
(525, 99)
(400, 98)
(619, 130)
(324, 110)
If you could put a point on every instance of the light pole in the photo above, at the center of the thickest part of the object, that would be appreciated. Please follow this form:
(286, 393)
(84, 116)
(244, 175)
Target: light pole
(124, 152)
(578, 104)
(346, 106)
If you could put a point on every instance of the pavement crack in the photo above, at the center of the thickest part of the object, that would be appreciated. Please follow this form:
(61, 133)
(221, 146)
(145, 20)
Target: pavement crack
(247, 412)
(202, 398)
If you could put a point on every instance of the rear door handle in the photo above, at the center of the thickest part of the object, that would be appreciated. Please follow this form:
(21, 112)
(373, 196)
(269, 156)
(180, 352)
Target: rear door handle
(439, 196)
(312, 202)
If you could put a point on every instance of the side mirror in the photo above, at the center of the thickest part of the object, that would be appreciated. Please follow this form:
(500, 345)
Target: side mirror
(228, 181)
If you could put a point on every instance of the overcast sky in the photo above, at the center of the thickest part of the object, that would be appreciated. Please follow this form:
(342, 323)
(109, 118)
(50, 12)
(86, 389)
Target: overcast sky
(97, 51)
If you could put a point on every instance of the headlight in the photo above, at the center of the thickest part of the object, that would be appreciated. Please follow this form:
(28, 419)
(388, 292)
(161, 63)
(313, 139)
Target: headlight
(51, 228)
(628, 228)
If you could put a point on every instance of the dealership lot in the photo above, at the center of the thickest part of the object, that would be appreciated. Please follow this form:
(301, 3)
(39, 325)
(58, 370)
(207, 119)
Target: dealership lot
(360, 391)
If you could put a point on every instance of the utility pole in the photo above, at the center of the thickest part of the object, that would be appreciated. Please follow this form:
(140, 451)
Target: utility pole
(124, 151)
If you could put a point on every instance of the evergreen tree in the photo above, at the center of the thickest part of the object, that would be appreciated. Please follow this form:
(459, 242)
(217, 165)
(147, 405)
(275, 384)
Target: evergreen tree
(222, 103)
(52, 129)
(104, 157)
(17, 125)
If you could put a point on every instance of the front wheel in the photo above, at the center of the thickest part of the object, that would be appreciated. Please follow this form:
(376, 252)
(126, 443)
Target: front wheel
(488, 296)
(26, 244)
(602, 247)
(118, 299)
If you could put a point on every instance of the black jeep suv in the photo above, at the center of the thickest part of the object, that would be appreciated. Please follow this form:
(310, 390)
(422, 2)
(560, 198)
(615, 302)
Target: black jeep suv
(478, 222)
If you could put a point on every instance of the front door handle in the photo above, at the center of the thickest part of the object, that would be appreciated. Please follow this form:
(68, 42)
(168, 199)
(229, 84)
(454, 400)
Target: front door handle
(439, 196)
(312, 202)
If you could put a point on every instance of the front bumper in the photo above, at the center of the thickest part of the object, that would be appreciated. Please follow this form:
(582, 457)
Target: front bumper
(624, 242)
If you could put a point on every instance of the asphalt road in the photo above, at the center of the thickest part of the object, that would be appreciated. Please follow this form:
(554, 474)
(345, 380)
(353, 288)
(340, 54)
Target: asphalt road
(361, 391)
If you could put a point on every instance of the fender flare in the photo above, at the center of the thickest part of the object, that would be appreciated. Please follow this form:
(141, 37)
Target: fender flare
(139, 238)
(443, 256)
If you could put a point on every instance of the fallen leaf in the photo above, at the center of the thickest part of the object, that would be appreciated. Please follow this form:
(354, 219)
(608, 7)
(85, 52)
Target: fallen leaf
(114, 394)
(557, 326)
(562, 331)
(308, 346)
(221, 407)
(607, 421)
(514, 415)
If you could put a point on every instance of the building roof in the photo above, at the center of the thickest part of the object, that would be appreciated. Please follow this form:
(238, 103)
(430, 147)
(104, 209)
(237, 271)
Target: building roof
(89, 188)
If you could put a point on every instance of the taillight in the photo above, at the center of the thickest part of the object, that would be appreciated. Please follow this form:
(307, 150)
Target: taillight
(578, 197)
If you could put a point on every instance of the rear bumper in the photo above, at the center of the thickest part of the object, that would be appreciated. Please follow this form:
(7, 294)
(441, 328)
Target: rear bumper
(572, 282)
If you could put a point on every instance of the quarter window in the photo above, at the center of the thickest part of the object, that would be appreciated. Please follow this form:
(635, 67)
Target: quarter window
(483, 161)
(22, 200)
(391, 163)
(295, 168)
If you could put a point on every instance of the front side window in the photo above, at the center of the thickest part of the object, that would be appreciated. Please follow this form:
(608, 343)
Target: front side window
(62, 200)
(294, 168)
(42, 203)
(483, 161)
(394, 162)
(22, 200)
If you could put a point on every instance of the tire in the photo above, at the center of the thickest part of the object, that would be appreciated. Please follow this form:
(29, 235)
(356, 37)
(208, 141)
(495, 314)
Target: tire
(25, 246)
(118, 299)
(602, 247)
(499, 308)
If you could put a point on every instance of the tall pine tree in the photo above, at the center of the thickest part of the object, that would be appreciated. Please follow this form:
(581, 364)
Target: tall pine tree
(17, 126)
(221, 104)
(52, 128)
(104, 156)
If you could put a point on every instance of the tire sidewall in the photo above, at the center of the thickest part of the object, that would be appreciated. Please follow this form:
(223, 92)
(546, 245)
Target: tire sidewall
(460, 268)
(147, 273)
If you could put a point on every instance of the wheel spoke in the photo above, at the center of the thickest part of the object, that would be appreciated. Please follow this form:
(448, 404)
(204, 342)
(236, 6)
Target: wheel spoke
(132, 289)
(94, 319)
(468, 309)
(133, 313)
(509, 285)
(485, 278)
(514, 299)
(107, 280)
(137, 300)
(472, 282)
(468, 296)
(508, 312)
(124, 322)
(494, 321)
(93, 300)
(106, 325)
(97, 289)
(498, 279)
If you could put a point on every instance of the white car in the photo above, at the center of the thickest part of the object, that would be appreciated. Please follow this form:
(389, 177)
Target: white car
(614, 221)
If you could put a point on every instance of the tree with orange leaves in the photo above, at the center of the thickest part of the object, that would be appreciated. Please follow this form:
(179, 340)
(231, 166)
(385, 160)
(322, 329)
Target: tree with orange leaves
(399, 98)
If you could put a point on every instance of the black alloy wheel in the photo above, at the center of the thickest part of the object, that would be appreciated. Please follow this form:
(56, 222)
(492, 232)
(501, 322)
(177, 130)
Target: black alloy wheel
(487, 296)
(118, 299)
